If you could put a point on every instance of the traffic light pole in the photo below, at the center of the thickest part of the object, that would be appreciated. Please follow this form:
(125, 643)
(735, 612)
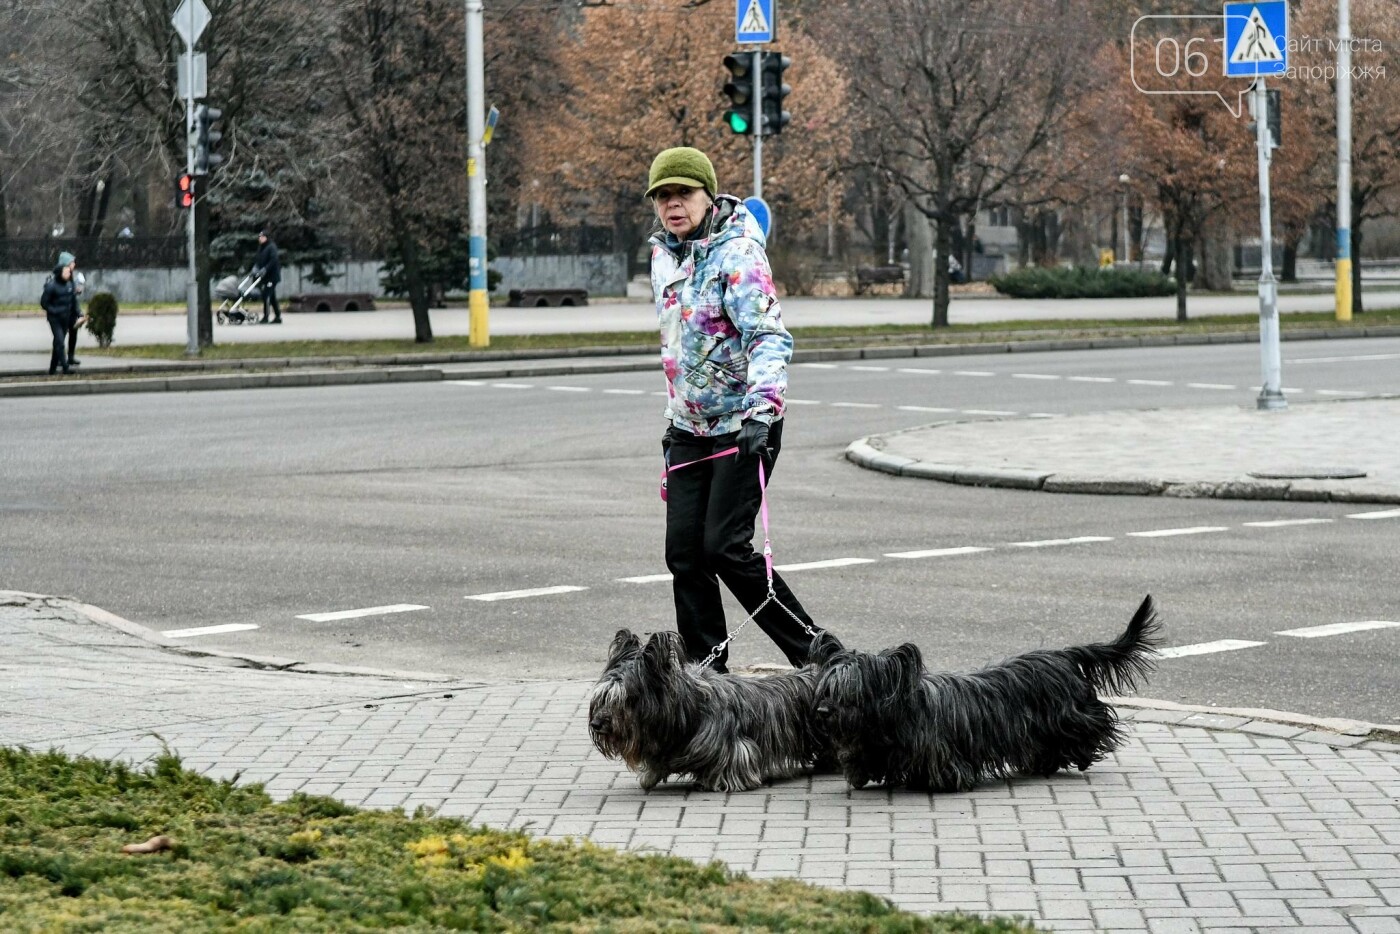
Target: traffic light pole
(757, 124)
(192, 289)
(1271, 390)
(479, 306)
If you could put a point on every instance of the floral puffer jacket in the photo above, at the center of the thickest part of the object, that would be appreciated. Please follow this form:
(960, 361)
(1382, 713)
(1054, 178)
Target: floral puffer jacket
(723, 345)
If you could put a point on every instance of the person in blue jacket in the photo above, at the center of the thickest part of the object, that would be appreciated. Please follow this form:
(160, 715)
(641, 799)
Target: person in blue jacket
(60, 303)
(725, 353)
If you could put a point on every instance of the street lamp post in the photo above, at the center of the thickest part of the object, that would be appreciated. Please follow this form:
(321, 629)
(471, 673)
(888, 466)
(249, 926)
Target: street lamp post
(1123, 181)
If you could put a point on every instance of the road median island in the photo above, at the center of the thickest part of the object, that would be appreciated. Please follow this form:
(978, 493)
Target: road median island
(112, 847)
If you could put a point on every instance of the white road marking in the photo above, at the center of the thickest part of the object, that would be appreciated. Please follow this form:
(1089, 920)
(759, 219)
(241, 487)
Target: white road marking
(207, 630)
(1339, 392)
(804, 402)
(1207, 648)
(1092, 379)
(467, 382)
(1062, 541)
(923, 408)
(1033, 376)
(1280, 523)
(855, 405)
(1211, 386)
(1383, 514)
(1043, 415)
(938, 552)
(815, 565)
(870, 369)
(1149, 382)
(988, 412)
(1164, 533)
(367, 611)
(915, 369)
(625, 392)
(513, 385)
(518, 594)
(1337, 629)
(568, 389)
(973, 373)
(646, 579)
(820, 366)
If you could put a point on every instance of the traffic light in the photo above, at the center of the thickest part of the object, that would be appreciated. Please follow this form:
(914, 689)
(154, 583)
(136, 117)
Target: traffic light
(206, 138)
(773, 91)
(740, 90)
(185, 191)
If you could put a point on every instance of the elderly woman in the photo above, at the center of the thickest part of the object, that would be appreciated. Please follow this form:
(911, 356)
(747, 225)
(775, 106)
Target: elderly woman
(61, 306)
(725, 353)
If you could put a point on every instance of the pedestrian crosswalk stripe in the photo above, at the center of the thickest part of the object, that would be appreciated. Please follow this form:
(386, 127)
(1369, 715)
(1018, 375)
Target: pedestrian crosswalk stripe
(831, 563)
(1383, 514)
(519, 594)
(367, 611)
(1208, 648)
(938, 552)
(208, 630)
(1337, 629)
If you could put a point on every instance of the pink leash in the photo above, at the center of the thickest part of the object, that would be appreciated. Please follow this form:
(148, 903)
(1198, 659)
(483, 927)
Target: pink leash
(767, 548)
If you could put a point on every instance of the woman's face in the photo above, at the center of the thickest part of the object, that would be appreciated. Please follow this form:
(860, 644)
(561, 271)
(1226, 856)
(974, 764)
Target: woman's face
(68, 271)
(681, 208)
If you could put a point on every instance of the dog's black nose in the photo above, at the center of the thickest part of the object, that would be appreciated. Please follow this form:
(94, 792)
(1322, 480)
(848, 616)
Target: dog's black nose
(598, 724)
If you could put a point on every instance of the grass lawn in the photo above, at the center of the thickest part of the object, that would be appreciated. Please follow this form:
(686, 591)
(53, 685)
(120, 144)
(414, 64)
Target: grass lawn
(310, 864)
(806, 337)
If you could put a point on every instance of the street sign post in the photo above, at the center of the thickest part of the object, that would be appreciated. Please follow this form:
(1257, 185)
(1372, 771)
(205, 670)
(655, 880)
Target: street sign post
(190, 21)
(1256, 44)
(756, 20)
(762, 213)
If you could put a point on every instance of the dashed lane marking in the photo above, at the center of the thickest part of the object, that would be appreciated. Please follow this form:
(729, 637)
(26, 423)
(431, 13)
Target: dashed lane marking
(1337, 629)
(821, 366)
(513, 385)
(1281, 523)
(1383, 514)
(646, 579)
(1348, 359)
(519, 594)
(1150, 382)
(988, 412)
(924, 408)
(870, 369)
(856, 405)
(816, 565)
(208, 630)
(1207, 648)
(624, 392)
(1167, 533)
(921, 370)
(1034, 376)
(973, 373)
(1339, 392)
(1210, 386)
(1092, 379)
(938, 552)
(568, 389)
(1049, 542)
(367, 611)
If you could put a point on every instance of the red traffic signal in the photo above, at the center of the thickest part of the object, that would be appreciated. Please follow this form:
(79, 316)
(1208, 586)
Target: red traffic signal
(185, 191)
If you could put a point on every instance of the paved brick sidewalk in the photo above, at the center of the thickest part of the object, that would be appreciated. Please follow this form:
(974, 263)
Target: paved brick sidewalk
(1223, 451)
(1198, 823)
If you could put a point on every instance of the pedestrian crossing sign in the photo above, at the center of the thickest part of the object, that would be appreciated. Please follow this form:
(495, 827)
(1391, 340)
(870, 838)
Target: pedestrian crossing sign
(755, 20)
(1256, 38)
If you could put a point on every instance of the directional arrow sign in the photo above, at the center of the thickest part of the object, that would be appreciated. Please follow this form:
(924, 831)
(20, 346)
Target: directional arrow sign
(189, 21)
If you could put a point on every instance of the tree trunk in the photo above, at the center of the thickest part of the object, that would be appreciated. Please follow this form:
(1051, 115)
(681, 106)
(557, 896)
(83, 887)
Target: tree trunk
(1290, 261)
(1183, 261)
(943, 248)
(1356, 308)
(413, 277)
(920, 235)
(204, 318)
(969, 239)
(1216, 260)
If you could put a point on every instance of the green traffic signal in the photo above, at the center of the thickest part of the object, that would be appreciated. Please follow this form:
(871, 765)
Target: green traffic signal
(737, 121)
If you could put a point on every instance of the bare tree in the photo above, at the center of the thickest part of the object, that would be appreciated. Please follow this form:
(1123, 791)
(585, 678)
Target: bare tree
(960, 99)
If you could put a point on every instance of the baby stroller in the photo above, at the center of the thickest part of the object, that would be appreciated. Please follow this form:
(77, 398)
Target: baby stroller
(233, 292)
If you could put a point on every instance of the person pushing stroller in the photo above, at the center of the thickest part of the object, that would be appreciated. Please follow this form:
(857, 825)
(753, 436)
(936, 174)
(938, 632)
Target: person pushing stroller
(268, 267)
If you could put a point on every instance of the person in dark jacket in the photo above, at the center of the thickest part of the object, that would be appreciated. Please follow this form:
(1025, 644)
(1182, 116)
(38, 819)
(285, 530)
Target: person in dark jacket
(60, 303)
(269, 265)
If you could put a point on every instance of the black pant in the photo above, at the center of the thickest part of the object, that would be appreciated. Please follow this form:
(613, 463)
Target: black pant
(269, 293)
(59, 325)
(710, 510)
(73, 342)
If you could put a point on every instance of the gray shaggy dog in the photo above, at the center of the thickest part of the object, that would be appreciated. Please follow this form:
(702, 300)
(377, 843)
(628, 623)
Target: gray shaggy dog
(664, 716)
(892, 722)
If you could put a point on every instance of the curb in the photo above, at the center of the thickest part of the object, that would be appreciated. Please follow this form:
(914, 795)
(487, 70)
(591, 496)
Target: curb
(865, 452)
(261, 662)
(317, 371)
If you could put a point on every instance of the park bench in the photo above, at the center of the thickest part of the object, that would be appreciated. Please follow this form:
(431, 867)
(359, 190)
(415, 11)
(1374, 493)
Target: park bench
(331, 301)
(866, 276)
(547, 298)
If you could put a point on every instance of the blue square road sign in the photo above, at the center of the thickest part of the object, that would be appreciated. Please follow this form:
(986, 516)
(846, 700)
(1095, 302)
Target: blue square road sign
(1256, 38)
(755, 20)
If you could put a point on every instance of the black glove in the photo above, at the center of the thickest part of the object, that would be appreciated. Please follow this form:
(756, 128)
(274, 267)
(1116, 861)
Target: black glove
(753, 438)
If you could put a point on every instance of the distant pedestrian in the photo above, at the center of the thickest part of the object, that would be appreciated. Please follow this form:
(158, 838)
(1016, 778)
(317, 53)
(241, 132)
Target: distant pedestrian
(725, 353)
(60, 303)
(269, 265)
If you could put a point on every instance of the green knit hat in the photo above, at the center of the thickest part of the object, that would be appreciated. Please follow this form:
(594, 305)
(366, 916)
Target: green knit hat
(682, 166)
(64, 259)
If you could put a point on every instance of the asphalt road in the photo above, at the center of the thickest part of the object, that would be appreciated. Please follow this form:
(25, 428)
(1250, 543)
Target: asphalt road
(265, 507)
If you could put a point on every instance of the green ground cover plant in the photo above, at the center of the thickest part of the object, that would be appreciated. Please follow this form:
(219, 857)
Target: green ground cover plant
(240, 861)
(1082, 282)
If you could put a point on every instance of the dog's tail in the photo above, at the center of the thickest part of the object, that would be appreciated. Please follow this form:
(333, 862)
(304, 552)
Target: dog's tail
(1117, 667)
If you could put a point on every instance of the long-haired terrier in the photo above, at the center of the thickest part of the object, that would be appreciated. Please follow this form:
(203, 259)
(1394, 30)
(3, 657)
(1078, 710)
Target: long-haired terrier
(892, 722)
(664, 716)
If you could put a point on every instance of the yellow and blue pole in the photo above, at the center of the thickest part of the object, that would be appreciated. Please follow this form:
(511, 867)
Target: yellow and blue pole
(478, 305)
(1343, 286)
